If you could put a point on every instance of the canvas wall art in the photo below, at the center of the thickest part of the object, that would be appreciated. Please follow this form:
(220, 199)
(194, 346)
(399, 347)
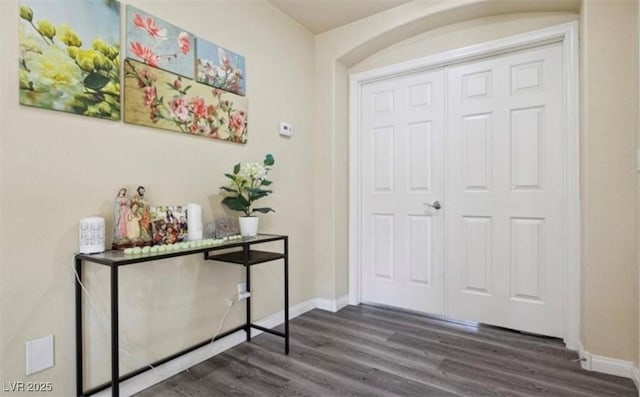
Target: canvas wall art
(69, 57)
(169, 224)
(158, 43)
(156, 98)
(219, 67)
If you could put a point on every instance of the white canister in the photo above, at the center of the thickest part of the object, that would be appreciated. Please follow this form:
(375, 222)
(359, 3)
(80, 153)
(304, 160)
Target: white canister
(194, 222)
(91, 239)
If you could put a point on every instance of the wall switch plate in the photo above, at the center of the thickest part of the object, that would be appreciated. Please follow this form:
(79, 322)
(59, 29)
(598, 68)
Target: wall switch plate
(242, 287)
(286, 129)
(638, 160)
(39, 354)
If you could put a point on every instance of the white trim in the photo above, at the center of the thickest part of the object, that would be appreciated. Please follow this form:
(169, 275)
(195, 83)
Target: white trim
(332, 305)
(573, 204)
(567, 34)
(278, 318)
(173, 367)
(636, 370)
(608, 365)
(342, 302)
(636, 378)
(585, 357)
(355, 191)
(491, 48)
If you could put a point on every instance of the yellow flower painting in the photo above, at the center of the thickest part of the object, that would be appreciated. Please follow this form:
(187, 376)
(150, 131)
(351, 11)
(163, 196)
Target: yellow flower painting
(69, 57)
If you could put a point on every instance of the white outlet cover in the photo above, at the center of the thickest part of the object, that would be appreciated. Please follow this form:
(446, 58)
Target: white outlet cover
(39, 354)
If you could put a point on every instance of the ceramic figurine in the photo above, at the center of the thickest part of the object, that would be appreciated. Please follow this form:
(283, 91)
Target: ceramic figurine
(132, 227)
(145, 215)
(121, 210)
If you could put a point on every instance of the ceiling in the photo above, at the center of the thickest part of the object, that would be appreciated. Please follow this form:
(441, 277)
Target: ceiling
(322, 15)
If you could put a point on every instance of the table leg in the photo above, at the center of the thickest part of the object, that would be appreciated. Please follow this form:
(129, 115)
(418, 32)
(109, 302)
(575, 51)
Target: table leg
(286, 295)
(115, 367)
(248, 280)
(79, 361)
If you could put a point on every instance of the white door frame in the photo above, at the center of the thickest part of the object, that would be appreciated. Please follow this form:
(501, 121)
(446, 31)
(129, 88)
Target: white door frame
(567, 34)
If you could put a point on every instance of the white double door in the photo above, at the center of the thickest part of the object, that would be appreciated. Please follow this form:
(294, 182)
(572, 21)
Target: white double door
(485, 140)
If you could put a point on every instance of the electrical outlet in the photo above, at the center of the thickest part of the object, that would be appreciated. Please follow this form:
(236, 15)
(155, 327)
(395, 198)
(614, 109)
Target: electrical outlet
(39, 354)
(242, 287)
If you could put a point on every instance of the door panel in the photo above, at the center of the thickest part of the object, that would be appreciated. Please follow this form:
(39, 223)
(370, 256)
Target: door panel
(476, 255)
(504, 191)
(403, 160)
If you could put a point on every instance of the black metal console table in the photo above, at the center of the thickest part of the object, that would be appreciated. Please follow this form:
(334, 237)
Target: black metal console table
(246, 257)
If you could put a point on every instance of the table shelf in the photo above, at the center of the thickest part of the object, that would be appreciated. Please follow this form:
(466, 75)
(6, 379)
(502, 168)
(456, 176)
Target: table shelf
(255, 257)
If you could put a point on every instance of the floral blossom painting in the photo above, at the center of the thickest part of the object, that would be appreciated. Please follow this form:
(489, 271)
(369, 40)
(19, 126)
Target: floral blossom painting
(219, 67)
(157, 43)
(156, 98)
(69, 57)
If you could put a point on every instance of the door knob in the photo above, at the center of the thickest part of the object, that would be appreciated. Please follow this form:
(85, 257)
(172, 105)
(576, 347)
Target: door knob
(436, 205)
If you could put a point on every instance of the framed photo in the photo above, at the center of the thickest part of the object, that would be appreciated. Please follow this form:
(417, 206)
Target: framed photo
(227, 226)
(169, 224)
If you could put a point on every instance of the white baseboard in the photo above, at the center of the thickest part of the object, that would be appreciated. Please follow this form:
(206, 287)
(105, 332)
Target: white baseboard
(278, 318)
(332, 305)
(636, 378)
(175, 366)
(608, 365)
(342, 302)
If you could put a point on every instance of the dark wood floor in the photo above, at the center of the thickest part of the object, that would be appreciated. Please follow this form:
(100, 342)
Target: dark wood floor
(370, 351)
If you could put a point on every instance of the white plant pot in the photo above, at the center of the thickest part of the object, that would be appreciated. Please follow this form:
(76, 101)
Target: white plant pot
(248, 225)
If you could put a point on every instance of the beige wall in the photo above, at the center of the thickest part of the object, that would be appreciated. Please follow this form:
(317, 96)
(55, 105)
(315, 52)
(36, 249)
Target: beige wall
(609, 118)
(609, 191)
(461, 35)
(57, 168)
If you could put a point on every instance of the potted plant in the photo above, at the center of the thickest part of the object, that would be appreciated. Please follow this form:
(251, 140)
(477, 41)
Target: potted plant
(248, 183)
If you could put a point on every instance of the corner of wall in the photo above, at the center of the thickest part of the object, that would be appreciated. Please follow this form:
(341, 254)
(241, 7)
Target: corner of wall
(608, 365)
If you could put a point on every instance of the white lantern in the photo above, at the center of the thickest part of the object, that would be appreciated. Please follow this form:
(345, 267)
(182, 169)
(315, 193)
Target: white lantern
(91, 235)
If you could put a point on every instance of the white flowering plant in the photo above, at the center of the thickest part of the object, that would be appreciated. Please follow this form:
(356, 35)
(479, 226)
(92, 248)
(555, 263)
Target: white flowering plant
(248, 182)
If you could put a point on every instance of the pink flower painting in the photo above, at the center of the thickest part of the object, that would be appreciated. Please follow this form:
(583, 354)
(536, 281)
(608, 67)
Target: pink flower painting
(158, 99)
(149, 25)
(145, 54)
(184, 43)
(219, 67)
(158, 43)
